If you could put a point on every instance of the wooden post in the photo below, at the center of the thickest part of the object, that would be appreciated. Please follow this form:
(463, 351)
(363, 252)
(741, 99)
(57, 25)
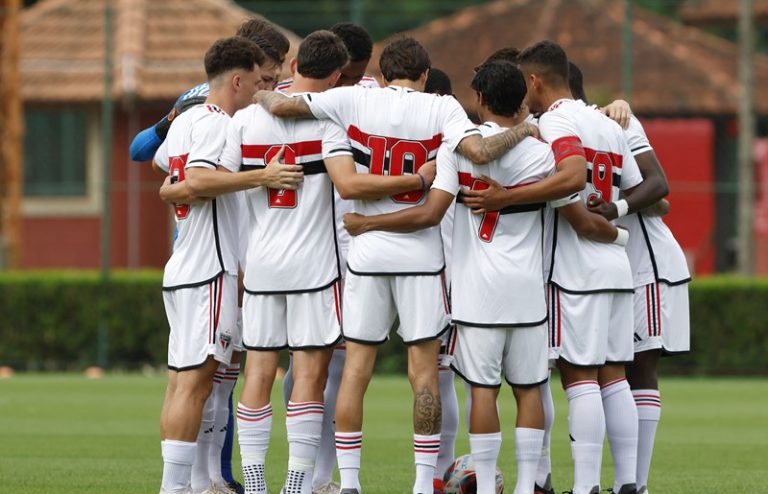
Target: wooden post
(746, 199)
(11, 129)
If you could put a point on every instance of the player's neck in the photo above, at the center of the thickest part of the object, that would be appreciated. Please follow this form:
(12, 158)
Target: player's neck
(501, 121)
(415, 85)
(303, 84)
(223, 100)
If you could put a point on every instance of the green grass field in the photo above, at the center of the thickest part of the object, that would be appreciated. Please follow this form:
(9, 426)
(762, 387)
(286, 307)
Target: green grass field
(66, 434)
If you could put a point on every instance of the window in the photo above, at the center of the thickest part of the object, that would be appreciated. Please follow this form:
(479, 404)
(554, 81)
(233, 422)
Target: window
(55, 152)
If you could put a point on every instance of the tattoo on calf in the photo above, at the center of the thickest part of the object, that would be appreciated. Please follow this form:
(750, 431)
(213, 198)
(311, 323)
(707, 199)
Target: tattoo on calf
(427, 412)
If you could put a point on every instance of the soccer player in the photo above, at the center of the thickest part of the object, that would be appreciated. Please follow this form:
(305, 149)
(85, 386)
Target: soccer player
(661, 277)
(589, 282)
(360, 46)
(394, 131)
(200, 279)
(498, 336)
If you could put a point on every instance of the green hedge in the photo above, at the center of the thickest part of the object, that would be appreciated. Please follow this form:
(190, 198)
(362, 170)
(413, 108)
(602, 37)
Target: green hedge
(51, 320)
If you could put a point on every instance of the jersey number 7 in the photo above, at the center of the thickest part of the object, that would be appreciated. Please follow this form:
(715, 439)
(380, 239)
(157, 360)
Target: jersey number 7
(490, 218)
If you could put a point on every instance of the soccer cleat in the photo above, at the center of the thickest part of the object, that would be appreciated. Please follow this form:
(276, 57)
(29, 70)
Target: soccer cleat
(643, 490)
(236, 487)
(327, 488)
(437, 486)
(546, 489)
(349, 491)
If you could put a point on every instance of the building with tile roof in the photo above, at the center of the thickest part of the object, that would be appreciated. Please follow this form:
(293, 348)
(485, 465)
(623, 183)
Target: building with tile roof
(720, 13)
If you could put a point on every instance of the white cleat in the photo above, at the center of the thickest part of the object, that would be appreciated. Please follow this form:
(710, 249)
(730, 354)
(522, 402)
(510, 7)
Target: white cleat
(329, 488)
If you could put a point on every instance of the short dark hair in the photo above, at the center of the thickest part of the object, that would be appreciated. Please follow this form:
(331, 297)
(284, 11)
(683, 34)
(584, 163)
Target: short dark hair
(576, 82)
(438, 82)
(232, 53)
(267, 36)
(549, 60)
(502, 86)
(357, 40)
(508, 54)
(320, 54)
(404, 58)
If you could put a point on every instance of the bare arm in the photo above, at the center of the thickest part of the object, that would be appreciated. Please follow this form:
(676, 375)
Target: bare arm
(650, 191)
(353, 185)
(661, 208)
(178, 193)
(483, 150)
(281, 105)
(408, 220)
(570, 177)
(589, 225)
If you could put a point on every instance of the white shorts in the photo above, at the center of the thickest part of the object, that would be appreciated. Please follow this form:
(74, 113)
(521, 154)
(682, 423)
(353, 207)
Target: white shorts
(484, 355)
(447, 348)
(662, 318)
(299, 321)
(371, 304)
(590, 329)
(203, 321)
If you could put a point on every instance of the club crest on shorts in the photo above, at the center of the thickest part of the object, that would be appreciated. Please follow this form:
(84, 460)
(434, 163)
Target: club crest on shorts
(224, 340)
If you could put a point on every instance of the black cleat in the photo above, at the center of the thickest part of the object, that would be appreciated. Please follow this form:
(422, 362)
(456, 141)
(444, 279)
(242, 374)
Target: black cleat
(349, 491)
(546, 489)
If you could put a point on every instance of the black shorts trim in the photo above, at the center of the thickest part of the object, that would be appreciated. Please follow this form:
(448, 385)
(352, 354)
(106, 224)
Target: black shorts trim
(583, 366)
(292, 292)
(430, 338)
(501, 325)
(619, 362)
(526, 386)
(592, 292)
(674, 283)
(190, 367)
(315, 347)
(365, 342)
(194, 285)
(472, 383)
(264, 348)
(668, 353)
(416, 273)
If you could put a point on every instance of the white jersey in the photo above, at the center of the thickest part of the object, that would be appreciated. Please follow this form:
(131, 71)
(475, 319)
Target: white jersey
(293, 245)
(367, 81)
(394, 131)
(653, 251)
(497, 257)
(207, 244)
(574, 263)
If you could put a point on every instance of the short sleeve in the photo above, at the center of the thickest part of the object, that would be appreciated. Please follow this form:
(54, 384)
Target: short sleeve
(635, 136)
(630, 172)
(334, 104)
(455, 123)
(161, 157)
(447, 177)
(208, 137)
(232, 154)
(561, 134)
(335, 142)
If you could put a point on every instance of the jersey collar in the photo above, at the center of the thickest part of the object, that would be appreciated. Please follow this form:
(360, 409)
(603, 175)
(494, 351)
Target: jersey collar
(558, 103)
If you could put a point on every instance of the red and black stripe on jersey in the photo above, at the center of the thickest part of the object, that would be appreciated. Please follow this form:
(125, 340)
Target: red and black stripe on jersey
(308, 154)
(394, 156)
(473, 183)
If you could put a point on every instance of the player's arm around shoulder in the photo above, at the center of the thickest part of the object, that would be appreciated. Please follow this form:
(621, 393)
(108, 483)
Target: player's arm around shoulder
(364, 186)
(405, 221)
(592, 226)
(283, 106)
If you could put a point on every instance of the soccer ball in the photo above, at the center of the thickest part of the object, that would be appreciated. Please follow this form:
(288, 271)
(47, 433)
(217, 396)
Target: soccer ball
(460, 477)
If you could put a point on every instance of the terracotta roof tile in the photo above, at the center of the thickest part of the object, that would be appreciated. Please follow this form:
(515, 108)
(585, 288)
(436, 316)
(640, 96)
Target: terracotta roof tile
(677, 69)
(720, 12)
(158, 47)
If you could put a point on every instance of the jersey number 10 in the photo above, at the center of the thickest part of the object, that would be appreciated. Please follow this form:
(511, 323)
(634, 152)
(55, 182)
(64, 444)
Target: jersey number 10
(398, 152)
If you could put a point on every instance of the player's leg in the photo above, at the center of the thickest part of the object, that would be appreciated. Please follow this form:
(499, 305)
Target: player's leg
(314, 329)
(422, 305)
(526, 368)
(322, 480)
(450, 425)
(264, 334)
(544, 469)
(618, 404)
(643, 381)
(369, 312)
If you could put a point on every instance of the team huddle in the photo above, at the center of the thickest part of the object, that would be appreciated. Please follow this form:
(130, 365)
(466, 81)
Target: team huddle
(320, 213)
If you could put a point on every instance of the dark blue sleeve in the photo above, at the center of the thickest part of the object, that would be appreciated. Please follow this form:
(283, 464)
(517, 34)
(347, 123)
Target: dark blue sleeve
(145, 144)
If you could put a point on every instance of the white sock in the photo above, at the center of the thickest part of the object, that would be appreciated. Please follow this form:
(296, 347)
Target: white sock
(326, 452)
(178, 457)
(648, 403)
(450, 423)
(223, 383)
(621, 426)
(253, 428)
(544, 468)
(527, 454)
(288, 381)
(586, 424)
(425, 449)
(303, 423)
(348, 446)
(485, 451)
(201, 481)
